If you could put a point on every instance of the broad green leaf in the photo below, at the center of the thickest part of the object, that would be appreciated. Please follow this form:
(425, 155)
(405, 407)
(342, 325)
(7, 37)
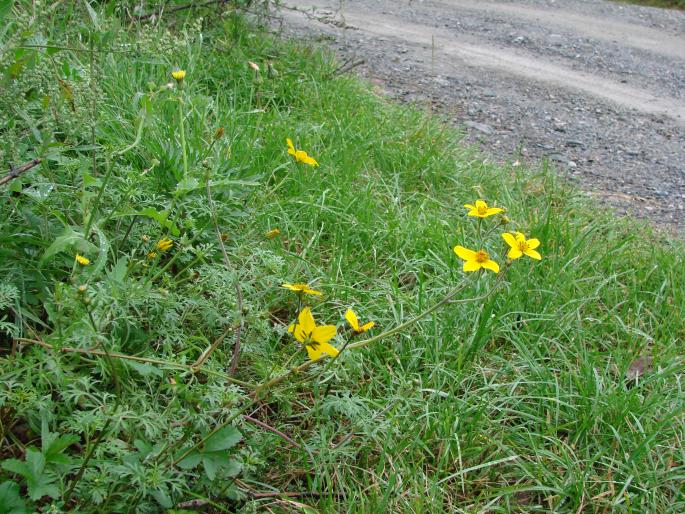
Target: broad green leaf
(224, 439)
(213, 461)
(38, 482)
(211, 466)
(69, 240)
(5, 9)
(119, 271)
(145, 369)
(159, 217)
(190, 461)
(10, 499)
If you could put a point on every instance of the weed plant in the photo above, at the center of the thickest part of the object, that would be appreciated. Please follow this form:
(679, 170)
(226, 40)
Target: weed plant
(169, 223)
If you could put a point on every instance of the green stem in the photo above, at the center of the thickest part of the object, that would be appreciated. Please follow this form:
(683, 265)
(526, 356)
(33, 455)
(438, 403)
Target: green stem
(183, 138)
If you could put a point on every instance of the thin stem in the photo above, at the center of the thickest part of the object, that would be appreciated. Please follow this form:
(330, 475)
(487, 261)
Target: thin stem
(174, 365)
(183, 137)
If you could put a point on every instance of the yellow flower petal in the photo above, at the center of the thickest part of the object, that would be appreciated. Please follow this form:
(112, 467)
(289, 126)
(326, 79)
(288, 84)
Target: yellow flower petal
(314, 352)
(533, 254)
(472, 265)
(367, 326)
(324, 333)
(299, 333)
(84, 261)
(352, 319)
(491, 265)
(510, 239)
(480, 204)
(306, 321)
(469, 206)
(329, 349)
(289, 142)
(493, 210)
(308, 290)
(514, 253)
(310, 160)
(464, 253)
(533, 243)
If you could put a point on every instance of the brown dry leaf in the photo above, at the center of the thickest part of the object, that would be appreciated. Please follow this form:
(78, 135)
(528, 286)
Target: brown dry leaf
(639, 367)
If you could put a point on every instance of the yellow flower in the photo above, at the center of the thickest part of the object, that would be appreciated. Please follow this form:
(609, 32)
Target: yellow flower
(272, 233)
(473, 261)
(481, 209)
(85, 261)
(521, 246)
(178, 75)
(151, 255)
(164, 244)
(352, 319)
(300, 287)
(300, 155)
(314, 338)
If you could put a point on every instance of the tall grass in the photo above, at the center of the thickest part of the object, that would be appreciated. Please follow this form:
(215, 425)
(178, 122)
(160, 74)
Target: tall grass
(519, 402)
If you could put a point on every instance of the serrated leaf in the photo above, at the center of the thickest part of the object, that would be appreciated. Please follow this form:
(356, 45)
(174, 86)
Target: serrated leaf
(190, 461)
(224, 439)
(163, 498)
(215, 461)
(211, 467)
(145, 369)
(10, 499)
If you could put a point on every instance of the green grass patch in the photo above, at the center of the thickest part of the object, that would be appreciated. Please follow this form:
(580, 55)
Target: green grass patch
(669, 4)
(514, 402)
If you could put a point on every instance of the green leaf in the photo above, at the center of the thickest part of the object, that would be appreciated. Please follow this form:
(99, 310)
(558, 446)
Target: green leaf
(5, 8)
(159, 217)
(224, 439)
(119, 271)
(213, 461)
(190, 461)
(10, 499)
(93, 15)
(145, 369)
(163, 498)
(38, 482)
(69, 240)
(211, 466)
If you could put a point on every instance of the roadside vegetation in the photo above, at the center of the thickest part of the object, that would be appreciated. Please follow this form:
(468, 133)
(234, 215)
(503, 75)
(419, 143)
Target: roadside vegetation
(201, 205)
(670, 4)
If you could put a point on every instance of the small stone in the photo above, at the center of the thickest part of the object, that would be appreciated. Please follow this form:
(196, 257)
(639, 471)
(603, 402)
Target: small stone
(480, 127)
(573, 143)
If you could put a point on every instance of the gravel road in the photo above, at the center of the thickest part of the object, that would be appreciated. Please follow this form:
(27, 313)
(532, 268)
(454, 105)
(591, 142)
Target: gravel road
(595, 87)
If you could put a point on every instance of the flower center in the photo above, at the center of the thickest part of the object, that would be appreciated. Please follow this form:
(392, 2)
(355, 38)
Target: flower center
(481, 256)
(523, 246)
(482, 209)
